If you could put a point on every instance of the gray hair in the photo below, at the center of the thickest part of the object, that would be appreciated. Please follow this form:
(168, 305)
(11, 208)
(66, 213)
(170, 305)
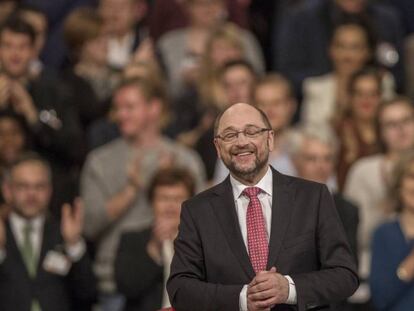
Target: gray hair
(321, 133)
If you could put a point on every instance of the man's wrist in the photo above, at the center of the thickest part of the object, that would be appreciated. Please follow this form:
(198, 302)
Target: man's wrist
(75, 251)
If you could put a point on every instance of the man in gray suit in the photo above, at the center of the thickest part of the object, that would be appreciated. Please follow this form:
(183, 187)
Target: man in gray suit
(260, 240)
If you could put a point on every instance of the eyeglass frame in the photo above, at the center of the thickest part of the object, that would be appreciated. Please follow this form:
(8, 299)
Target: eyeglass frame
(237, 132)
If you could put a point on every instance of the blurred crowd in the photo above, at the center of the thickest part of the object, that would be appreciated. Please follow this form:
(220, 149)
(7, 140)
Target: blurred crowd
(107, 112)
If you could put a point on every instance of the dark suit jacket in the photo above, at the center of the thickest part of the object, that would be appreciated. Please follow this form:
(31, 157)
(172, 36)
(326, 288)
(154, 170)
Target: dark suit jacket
(75, 291)
(307, 242)
(137, 276)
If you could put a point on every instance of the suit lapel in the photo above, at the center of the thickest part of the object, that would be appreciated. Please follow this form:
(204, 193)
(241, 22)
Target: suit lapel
(14, 249)
(225, 210)
(281, 214)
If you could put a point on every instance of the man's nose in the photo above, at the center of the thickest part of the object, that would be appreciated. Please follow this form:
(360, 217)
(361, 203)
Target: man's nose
(242, 139)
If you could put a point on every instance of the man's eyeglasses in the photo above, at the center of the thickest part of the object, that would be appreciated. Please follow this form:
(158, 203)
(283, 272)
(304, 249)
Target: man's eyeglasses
(250, 132)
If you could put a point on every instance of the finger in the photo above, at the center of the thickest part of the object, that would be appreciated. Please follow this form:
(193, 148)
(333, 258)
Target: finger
(263, 286)
(65, 212)
(273, 269)
(263, 295)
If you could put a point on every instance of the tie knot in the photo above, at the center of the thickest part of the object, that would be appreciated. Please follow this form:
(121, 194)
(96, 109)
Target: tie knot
(251, 192)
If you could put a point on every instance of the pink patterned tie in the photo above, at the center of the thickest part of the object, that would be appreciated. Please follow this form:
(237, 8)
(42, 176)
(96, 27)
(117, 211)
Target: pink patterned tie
(257, 240)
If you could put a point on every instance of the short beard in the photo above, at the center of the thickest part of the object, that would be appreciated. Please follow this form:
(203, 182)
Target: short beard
(248, 174)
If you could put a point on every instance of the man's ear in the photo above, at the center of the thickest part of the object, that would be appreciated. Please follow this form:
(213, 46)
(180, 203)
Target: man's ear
(218, 148)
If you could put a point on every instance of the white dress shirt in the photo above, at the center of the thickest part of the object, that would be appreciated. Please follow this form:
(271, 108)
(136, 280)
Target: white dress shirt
(241, 203)
(17, 224)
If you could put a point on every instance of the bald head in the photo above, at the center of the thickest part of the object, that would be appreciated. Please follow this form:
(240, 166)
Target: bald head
(240, 110)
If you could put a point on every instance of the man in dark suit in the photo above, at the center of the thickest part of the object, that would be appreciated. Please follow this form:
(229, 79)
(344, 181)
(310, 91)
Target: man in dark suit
(260, 240)
(42, 266)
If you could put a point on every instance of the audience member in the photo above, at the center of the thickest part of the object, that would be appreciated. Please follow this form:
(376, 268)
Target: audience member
(106, 129)
(123, 25)
(369, 177)
(115, 176)
(352, 47)
(273, 94)
(167, 16)
(44, 104)
(13, 141)
(90, 80)
(356, 126)
(182, 49)
(54, 52)
(314, 150)
(144, 257)
(303, 39)
(38, 20)
(43, 266)
(392, 268)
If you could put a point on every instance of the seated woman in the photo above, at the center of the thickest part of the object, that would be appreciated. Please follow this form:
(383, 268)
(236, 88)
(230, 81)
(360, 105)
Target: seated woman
(143, 258)
(356, 126)
(182, 49)
(392, 268)
(352, 47)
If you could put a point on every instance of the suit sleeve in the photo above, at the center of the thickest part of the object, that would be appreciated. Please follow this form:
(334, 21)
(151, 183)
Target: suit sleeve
(82, 281)
(336, 278)
(187, 286)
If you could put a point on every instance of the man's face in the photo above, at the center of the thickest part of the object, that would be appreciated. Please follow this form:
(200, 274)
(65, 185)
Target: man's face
(276, 103)
(132, 111)
(246, 158)
(16, 52)
(315, 161)
(167, 202)
(28, 191)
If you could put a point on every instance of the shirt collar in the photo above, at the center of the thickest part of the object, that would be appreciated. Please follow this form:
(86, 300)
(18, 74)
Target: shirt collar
(19, 222)
(265, 184)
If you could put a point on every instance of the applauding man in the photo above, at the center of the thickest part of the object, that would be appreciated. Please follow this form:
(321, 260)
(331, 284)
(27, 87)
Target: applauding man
(42, 266)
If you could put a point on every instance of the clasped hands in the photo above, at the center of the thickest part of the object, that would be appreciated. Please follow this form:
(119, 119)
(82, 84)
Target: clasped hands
(267, 289)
